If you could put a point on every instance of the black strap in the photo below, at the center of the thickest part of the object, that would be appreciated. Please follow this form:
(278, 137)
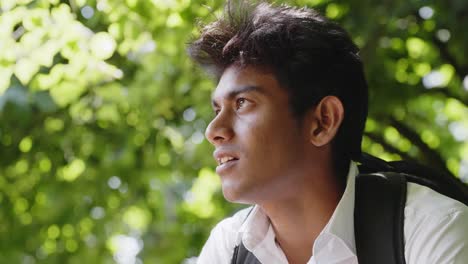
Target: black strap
(243, 256)
(433, 178)
(379, 218)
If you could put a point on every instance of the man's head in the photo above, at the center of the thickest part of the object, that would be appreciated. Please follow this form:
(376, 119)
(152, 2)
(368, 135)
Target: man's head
(310, 57)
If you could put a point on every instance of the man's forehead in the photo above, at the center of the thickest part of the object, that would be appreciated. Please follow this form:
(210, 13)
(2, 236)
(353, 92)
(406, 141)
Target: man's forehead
(237, 79)
(231, 77)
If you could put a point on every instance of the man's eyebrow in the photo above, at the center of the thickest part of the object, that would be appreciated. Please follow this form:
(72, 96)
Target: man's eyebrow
(240, 90)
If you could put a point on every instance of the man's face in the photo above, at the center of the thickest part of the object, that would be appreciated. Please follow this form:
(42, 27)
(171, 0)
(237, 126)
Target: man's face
(259, 145)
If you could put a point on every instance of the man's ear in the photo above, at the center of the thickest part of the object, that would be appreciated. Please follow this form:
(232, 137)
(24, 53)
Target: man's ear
(325, 119)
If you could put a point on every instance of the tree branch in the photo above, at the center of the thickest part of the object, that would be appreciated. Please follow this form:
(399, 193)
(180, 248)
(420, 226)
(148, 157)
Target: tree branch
(444, 51)
(428, 154)
(387, 146)
(445, 54)
(447, 93)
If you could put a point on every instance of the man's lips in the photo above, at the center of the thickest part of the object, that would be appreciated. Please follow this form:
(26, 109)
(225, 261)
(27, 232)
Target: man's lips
(226, 159)
(225, 156)
(224, 168)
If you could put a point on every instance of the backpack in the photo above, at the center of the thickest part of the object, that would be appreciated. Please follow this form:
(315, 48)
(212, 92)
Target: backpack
(379, 208)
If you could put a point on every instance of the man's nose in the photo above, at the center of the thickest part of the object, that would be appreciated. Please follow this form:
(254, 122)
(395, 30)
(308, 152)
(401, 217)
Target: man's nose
(220, 129)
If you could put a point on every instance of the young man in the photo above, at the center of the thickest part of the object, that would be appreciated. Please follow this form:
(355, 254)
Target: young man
(290, 105)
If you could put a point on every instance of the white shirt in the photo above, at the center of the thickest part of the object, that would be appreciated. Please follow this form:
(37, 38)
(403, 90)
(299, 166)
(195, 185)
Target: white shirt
(435, 231)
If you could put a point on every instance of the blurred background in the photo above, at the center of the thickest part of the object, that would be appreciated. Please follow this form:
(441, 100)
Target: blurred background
(102, 115)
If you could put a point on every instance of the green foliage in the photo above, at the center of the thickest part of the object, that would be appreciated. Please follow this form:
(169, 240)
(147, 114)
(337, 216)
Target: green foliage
(102, 118)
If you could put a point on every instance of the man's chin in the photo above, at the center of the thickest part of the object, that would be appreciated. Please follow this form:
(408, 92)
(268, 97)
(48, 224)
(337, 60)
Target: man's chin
(230, 195)
(234, 195)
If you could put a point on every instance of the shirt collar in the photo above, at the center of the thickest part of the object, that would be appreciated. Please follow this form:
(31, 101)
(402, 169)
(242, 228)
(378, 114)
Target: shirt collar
(254, 228)
(341, 224)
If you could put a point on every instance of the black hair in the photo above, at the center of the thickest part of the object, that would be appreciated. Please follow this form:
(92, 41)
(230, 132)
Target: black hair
(311, 56)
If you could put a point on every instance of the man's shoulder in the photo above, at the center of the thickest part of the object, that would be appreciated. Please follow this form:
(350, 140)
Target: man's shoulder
(423, 201)
(436, 227)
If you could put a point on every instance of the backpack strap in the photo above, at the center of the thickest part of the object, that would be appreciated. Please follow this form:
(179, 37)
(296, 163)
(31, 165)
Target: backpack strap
(379, 218)
(243, 256)
(435, 179)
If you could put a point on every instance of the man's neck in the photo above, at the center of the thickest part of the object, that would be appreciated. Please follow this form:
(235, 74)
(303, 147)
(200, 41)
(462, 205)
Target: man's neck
(299, 219)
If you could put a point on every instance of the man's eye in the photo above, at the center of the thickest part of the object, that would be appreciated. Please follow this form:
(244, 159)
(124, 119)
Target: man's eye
(240, 102)
(216, 112)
